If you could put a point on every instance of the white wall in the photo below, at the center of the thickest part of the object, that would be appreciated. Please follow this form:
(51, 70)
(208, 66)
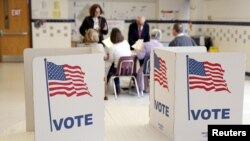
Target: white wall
(220, 10)
(226, 37)
(174, 5)
(198, 10)
(228, 10)
(50, 9)
(54, 34)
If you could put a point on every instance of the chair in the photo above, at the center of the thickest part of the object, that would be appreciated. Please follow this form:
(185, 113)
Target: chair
(126, 68)
(146, 70)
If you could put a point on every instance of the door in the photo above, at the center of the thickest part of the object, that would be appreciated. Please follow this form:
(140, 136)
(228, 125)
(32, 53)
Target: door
(14, 29)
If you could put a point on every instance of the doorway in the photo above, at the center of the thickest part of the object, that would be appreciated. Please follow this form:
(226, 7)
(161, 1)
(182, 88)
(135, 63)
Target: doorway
(15, 33)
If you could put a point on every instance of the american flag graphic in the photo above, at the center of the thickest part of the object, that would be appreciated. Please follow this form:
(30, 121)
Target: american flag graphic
(206, 75)
(160, 71)
(66, 80)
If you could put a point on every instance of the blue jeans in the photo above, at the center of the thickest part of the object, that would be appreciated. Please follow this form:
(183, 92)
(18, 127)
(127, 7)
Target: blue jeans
(112, 71)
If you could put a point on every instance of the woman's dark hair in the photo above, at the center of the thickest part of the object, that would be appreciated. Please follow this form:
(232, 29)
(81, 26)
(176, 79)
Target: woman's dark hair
(116, 36)
(92, 9)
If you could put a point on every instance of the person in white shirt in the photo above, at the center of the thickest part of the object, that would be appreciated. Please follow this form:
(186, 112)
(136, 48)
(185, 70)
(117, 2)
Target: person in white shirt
(120, 48)
(91, 39)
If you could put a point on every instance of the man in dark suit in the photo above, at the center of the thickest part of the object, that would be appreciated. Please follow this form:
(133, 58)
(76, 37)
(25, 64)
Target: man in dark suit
(138, 30)
(181, 39)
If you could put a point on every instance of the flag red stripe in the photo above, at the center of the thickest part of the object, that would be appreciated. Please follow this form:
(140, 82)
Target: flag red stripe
(68, 88)
(76, 76)
(222, 89)
(202, 87)
(196, 77)
(221, 84)
(215, 81)
(69, 91)
(162, 84)
(160, 81)
(63, 93)
(214, 70)
(68, 94)
(200, 82)
(215, 76)
(72, 67)
(65, 84)
(59, 83)
(207, 84)
(77, 80)
(212, 64)
(165, 86)
(202, 79)
(160, 78)
(161, 73)
(73, 72)
(210, 88)
(214, 73)
(209, 77)
(85, 93)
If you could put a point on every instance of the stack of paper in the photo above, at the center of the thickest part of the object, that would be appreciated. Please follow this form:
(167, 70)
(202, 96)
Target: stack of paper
(107, 42)
(138, 44)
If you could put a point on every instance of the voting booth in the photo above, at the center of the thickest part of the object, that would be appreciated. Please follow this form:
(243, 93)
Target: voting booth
(190, 89)
(29, 55)
(67, 95)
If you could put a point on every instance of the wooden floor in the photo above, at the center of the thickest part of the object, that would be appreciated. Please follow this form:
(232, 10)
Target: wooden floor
(126, 119)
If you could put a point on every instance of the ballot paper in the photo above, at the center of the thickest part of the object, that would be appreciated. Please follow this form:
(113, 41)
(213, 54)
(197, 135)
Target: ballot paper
(138, 44)
(107, 42)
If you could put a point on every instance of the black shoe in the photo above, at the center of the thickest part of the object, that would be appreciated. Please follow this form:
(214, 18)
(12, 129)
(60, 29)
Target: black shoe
(125, 89)
(105, 98)
(118, 90)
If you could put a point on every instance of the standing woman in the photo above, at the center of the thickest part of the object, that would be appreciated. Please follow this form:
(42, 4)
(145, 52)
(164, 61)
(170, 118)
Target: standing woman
(95, 21)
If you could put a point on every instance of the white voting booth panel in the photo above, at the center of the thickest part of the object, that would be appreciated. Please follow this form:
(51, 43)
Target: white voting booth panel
(29, 55)
(195, 90)
(68, 98)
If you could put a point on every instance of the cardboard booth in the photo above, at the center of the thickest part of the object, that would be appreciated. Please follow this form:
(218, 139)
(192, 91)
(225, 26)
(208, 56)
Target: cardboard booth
(29, 55)
(67, 95)
(192, 90)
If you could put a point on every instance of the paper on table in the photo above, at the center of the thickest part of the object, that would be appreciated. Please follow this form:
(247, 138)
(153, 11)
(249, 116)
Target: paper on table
(107, 42)
(138, 44)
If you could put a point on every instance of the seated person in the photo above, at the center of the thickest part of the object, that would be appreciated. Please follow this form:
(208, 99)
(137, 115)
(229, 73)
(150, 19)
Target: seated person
(144, 54)
(119, 49)
(91, 39)
(180, 38)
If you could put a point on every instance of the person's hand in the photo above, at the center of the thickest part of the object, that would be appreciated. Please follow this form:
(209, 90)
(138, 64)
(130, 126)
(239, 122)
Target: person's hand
(105, 27)
(138, 48)
(107, 55)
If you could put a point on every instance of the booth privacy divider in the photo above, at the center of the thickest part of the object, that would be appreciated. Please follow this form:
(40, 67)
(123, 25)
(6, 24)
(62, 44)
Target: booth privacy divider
(191, 90)
(64, 94)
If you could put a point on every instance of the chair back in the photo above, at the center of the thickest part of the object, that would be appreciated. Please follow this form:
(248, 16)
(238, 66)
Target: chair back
(126, 66)
(146, 65)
